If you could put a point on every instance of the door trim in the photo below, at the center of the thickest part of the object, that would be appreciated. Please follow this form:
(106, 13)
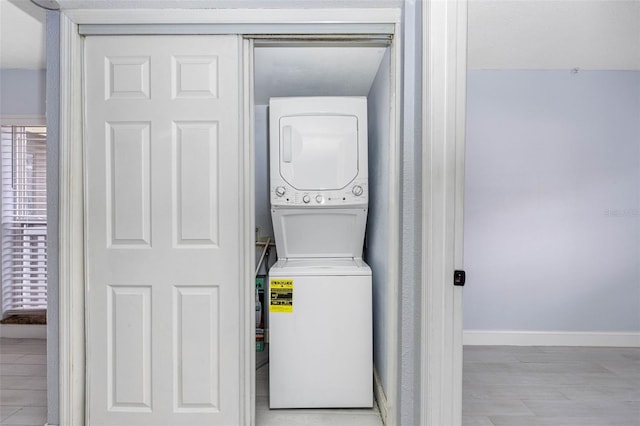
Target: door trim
(443, 128)
(71, 230)
(247, 121)
(71, 183)
(208, 29)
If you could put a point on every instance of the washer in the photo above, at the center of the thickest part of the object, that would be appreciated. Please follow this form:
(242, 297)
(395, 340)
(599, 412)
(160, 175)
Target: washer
(320, 350)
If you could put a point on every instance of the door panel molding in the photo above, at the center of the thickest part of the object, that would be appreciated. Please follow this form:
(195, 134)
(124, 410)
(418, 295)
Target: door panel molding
(162, 230)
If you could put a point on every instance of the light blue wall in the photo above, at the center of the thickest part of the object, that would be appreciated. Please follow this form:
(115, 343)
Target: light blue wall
(22, 92)
(263, 210)
(53, 127)
(264, 225)
(378, 238)
(410, 286)
(552, 222)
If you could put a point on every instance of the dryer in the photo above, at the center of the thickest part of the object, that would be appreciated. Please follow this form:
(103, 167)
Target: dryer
(320, 307)
(318, 151)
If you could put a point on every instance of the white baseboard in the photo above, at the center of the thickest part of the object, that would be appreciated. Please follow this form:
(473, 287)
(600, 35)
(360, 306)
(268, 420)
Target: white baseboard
(23, 331)
(550, 338)
(381, 398)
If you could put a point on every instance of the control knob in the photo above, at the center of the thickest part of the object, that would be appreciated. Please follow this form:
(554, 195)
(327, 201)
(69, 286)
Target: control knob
(280, 191)
(357, 190)
(319, 198)
(306, 199)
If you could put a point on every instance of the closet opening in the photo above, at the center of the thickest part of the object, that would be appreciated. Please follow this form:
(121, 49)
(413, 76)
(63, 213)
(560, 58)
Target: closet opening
(322, 65)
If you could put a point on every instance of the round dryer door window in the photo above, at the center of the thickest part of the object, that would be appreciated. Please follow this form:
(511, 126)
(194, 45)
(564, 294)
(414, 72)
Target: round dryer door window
(319, 152)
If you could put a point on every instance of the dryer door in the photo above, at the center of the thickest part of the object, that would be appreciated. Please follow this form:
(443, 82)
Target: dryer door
(318, 152)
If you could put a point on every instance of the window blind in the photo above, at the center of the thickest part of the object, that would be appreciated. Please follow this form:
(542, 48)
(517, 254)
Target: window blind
(24, 218)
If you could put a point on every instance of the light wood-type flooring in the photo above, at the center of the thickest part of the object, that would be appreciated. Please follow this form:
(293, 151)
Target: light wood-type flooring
(503, 385)
(551, 386)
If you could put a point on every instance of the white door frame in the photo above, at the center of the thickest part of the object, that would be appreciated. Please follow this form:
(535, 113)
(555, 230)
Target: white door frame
(247, 121)
(444, 26)
(71, 180)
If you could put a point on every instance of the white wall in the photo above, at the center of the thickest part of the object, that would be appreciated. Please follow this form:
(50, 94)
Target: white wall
(552, 222)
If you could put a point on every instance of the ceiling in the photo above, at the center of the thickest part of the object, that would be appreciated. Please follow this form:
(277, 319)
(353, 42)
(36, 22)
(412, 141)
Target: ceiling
(503, 34)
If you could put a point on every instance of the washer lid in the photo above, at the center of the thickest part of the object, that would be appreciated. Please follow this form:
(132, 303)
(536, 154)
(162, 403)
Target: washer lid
(319, 232)
(329, 267)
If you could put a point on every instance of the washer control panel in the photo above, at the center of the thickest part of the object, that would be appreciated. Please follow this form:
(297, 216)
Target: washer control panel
(356, 193)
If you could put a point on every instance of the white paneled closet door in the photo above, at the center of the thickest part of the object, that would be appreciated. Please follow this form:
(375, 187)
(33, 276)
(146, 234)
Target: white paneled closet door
(162, 152)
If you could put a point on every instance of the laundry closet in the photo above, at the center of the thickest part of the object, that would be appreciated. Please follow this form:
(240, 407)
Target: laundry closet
(321, 349)
(176, 193)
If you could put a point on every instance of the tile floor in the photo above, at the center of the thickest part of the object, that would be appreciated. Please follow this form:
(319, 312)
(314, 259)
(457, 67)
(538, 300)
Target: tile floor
(512, 386)
(23, 382)
(551, 386)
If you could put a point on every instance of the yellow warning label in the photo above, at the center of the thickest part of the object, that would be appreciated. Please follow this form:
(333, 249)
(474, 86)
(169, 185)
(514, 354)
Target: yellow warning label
(281, 295)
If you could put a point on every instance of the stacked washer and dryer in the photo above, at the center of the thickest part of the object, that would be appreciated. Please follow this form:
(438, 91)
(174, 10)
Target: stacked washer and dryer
(320, 307)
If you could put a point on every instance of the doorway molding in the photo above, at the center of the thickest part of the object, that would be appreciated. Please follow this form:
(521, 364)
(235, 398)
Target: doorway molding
(444, 61)
(71, 179)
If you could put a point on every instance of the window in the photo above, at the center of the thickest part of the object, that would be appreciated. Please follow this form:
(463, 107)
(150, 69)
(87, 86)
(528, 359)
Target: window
(24, 219)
